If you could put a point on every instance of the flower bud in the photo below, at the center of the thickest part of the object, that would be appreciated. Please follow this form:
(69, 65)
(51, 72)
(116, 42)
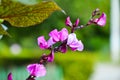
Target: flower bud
(68, 22)
(76, 23)
(51, 56)
(10, 76)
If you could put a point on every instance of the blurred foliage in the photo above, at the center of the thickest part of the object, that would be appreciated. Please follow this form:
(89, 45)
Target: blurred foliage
(28, 2)
(93, 37)
(76, 66)
(72, 65)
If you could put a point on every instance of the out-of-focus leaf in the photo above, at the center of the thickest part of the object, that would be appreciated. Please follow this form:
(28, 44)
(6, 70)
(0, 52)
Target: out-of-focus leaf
(28, 2)
(1, 20)
(2, 31)
(21, 15)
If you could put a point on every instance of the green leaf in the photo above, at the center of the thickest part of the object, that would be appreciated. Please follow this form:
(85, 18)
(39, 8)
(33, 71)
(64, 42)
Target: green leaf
(21, 15)
(2, 31)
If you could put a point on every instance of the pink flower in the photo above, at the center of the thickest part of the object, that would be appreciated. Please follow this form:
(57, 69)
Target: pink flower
(73, 42)
(10, 76)
(37, 70)
(42, 42)
(63, 34)
(50, 42)
(54, 34)
(101, 21)
(68, 22)
(59, 35)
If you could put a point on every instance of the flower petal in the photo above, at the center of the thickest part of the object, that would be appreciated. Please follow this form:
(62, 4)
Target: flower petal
(51, 56)
(37, 70)
(68, 21)
(102, 20)
(42, 42)
(63, 34)
(55, 35)
(71, 38)
(81, 46)
(73, 43)
(50, 42)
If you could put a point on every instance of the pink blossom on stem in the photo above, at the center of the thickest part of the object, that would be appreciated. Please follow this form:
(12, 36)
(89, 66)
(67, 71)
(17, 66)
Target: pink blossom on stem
(37, 70)
(63, 34)
(59, 35)
(10, 76)
(50, 42)
(73, 42)
(68, 21)
(54, 34)
(42, 42)
(101, 21)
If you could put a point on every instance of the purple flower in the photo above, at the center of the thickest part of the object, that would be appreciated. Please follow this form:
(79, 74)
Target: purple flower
(50, 42)
(37, 70)
(73, 42)
(10, 76)
(59, 35)
(42, 42)
(63, 34)
(63, 48)
(54, 34)
(51, 56)
(101, 21)
(68, 22)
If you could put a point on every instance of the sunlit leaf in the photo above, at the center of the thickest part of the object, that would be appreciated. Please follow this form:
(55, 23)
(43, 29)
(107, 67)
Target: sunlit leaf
(21, 15)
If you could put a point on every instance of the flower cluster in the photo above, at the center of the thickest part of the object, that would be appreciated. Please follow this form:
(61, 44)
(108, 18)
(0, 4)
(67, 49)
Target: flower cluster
(65, 39)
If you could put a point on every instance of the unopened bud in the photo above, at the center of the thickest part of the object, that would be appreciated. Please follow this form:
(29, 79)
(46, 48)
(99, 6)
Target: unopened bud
(68, 22)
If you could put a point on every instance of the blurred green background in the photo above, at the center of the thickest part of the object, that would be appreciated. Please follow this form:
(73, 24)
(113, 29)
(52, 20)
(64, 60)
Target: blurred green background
(22, 48)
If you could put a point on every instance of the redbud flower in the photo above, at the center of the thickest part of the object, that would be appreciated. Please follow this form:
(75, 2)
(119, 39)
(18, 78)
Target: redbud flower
(73, 42)
(101, 21)
(68, 22)
(37, 70)
(10, 76)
